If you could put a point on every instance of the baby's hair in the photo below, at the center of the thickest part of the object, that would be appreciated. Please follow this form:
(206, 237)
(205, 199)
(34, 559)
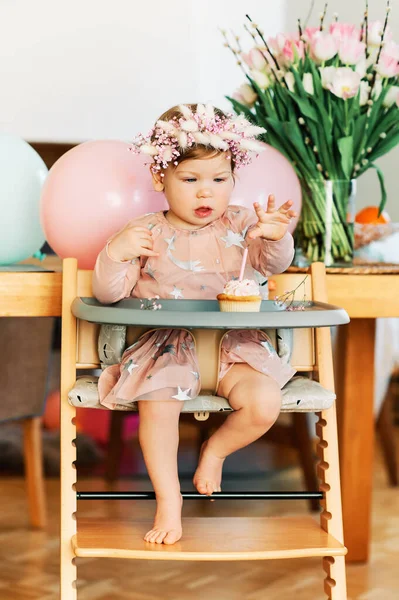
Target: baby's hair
(198, 150)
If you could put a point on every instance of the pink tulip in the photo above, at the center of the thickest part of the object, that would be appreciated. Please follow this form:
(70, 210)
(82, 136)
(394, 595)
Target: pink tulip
(391, 49)
(245, 95)
(292, 51)
(342, 31)
(351, 51)
(374, 33)
(310, 33)
(277, 44)
(255, 59)
(388, 65)
(323, 47)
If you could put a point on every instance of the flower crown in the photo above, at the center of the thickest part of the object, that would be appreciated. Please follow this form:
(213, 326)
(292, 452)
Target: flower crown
(165, 142)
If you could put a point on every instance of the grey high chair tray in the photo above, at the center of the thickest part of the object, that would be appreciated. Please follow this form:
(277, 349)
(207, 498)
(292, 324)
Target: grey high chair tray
(205, 314)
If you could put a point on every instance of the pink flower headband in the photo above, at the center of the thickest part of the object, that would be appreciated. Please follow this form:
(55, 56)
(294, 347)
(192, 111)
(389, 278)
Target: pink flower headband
(167, 139)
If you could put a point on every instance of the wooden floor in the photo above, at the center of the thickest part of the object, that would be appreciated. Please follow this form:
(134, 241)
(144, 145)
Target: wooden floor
(29, 559)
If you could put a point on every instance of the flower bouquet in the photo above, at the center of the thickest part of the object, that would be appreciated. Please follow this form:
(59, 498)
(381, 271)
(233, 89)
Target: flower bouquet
(329, 99)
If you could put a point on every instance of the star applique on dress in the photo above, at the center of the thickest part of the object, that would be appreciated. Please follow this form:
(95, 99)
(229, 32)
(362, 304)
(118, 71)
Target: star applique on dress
(182, 394)
(186, 265)
(233, 238)
(130, 366)
(268, 346)
(177, 293)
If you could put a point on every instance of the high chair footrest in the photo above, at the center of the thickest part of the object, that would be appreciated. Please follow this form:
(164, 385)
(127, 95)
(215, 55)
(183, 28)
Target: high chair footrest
(208, 539)
(198, 496)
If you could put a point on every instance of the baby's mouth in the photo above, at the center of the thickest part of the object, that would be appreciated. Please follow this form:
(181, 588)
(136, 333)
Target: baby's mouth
(203, 211)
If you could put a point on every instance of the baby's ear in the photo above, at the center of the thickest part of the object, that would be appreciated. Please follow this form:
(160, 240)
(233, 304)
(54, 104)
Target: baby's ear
(157, 182)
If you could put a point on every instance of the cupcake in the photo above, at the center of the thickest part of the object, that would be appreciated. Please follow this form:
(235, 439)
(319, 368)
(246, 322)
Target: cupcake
(240, 296)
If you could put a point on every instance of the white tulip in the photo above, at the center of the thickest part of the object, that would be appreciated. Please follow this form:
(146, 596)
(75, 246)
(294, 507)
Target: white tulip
(364, 92)
(327, 76)
(361, 67)
(377, 89)
(260, 78)
(290, 81)
(392, 96)
(345, 83)
(308, 83)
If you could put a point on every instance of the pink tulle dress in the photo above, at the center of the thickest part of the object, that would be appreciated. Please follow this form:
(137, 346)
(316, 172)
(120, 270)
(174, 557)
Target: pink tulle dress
(192, 264)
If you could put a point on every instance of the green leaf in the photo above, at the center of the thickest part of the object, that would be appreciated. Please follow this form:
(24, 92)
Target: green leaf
(358, 134)
(382, 186)
(305, 107)
(385, 146)
(345, 146)
(242, 108)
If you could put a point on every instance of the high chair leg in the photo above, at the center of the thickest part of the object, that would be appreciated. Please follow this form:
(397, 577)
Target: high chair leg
(68, 571)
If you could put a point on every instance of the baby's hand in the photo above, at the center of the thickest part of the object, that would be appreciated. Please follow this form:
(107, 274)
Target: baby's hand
(273, 223)
(131, 243)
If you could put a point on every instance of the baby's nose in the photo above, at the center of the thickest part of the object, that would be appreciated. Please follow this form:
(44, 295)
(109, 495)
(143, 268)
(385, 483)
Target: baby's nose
(204, 193)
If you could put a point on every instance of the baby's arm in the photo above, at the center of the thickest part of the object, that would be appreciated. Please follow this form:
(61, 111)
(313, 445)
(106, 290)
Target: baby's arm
(114, 280)
(117, 268)
(266, 256)
(271, 257)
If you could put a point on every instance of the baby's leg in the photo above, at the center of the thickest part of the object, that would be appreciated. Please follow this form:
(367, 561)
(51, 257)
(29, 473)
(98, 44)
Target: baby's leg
(256, 399)
(159, 440)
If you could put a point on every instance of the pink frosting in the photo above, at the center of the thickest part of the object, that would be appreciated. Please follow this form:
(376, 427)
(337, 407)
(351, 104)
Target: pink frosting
(246, 287)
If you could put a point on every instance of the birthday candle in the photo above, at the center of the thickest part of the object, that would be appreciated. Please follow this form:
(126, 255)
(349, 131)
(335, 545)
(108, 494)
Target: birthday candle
(244, 260)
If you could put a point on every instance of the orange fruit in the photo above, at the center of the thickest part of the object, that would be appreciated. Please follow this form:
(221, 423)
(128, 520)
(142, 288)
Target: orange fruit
(369, 216)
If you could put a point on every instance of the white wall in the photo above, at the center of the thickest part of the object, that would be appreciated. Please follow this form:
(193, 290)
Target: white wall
(352, 11)
(90, 69)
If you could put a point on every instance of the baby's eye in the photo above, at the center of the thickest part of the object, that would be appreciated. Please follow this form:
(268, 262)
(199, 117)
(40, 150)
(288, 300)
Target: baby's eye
(190, 179)
(219, 179)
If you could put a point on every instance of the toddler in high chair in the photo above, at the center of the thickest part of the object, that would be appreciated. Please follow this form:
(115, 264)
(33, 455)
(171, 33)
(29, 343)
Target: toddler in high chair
(191, 251)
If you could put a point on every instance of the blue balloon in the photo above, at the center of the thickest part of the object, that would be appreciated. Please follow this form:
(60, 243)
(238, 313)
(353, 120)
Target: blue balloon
(22, 174)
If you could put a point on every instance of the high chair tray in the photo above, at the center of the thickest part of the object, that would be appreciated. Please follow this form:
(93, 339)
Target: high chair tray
(205, 314)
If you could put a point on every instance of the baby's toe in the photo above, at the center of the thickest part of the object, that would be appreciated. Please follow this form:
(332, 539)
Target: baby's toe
(210, 488)
(160, 537)
(152, 535)
(202, 487)
(171, 537)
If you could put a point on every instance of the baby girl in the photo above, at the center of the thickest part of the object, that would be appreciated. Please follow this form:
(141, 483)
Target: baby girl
(191, 251)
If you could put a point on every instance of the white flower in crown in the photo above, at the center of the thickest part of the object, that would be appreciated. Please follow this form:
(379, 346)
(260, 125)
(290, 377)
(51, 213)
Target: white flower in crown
(167, 139)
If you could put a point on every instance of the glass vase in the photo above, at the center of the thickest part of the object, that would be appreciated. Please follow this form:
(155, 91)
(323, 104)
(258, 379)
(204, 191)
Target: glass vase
(325, 230)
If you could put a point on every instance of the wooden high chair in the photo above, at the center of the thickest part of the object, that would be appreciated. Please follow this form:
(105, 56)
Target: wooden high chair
(205, 539)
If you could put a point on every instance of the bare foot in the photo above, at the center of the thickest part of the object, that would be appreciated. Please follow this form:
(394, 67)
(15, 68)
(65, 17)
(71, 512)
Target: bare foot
(208, 476)
(167, 527)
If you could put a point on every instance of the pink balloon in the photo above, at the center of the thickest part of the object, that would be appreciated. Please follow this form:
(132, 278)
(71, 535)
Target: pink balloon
(91, 192)
(269, 173)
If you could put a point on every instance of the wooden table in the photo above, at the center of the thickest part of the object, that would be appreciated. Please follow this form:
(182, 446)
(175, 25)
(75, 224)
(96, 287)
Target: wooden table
(32, 294)
(367, 293)
(365, 297)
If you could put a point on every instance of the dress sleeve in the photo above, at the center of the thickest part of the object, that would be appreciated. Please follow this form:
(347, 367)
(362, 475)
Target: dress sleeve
(266, 256)
(114, 280)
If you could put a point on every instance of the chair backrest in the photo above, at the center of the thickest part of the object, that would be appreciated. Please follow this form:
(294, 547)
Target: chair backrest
(79, 283)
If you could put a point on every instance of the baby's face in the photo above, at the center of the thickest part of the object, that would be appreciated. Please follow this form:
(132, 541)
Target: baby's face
(198, 191)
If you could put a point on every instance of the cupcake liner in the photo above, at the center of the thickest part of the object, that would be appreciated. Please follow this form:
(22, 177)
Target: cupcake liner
(233, 306)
